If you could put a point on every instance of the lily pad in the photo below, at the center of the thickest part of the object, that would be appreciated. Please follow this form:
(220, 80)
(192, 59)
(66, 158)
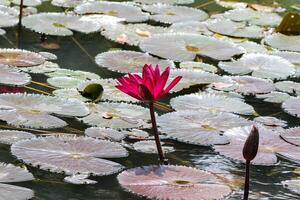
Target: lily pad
(291, 135)
(283, 42)
(70, 155)
(79, 179)
(13, 76)
(260, 65)
(131, 34)
(149, 147)
(211, 103)
(199, 127)
(171, 14)
(8, 16)
(185, 47)
(198, 66)
(165, 1)
(104, 133)
(293, 185)
(288, 86)
(20, 58)
(117, 115)
(274, 97)
(12, 136)
(292, 106)
(181, 182)
(125, 10)
(196, 27)
(270, 145)
(129, 61)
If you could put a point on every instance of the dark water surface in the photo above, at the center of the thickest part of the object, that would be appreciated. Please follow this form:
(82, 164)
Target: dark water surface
(50, 186)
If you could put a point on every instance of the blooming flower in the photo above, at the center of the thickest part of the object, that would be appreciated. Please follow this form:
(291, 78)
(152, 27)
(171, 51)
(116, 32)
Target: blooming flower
(148, 87)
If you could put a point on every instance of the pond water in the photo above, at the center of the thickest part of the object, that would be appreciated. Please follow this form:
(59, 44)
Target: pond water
(77, 52)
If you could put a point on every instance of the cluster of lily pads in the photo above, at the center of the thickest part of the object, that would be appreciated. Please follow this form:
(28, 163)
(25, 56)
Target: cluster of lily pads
(232, 56)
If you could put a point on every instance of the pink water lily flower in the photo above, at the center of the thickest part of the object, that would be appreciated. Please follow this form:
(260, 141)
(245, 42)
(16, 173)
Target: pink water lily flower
(148, 87)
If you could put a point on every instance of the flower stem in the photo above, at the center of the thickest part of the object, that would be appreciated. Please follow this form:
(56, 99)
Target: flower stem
(156, 136)
(247, 177)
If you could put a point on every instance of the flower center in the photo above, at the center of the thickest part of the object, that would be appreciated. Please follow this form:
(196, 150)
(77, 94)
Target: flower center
(112, 13)
(171, 13)
(35, 111)
(192, 48)
(76, 156)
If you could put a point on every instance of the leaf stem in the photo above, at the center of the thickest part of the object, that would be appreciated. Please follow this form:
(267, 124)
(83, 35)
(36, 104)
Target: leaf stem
(156, 136)
(247, 177)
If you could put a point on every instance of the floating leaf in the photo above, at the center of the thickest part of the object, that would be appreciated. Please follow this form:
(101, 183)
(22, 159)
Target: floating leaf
(121, 115)
(8, 16)
(291, 135)
(131, 34)
(149, 147)
(186, 46)
(171, 14)
(48, 55)
(198, 66)
(71, 93)
(288, 86)
(129, 61)
(235, 29)
(79, 179)
(293, 185)
(292, 106)
(199, 127)
(270, 121)
(67, 3)
(190, 27)
(31, 110)
(105, 133)
(59, 24)
(70, 155)
(181, 182)
(253, 17)
(211, 103)
(274, 97)
(290, 24)
(283, 42)
(260, 65)
(64, 82)
(164, 1)
(46, 67)
(20, 58)
(125, 10)
(270, 145)
(252, 47)
(12, 136)
(293, 57)
(13, 76)
(136, 134)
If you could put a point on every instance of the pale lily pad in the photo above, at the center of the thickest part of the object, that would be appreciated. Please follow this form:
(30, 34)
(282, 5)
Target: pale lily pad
(2, 32)
(13, 76)
(186, 46)
(293, 57)
(5, 2)
(64, 82)
(225, 93)
(253, 47)
(191, 77)
(12, 136)
(288, 86)
(20, 58)
(110, 92)
(171, 14)
(198, 66)
(71, 93)
(82, 75)
(79, 179)
(181, 182)
(293, 185)
(10, 173)
(149, 147)
(129, 61)
(235, 29)
(292, 106)
(190, 27)
(270, 121)
(59, 24)
(164, 1)
(125, 10)
(274, 97)
(291, 135)
(199, 127)
(117, 115)
(70, 155)
(32, 110)
(136, 134)
(8, 16)
(131, 34)
(283, 42)
(48, 55)
(231, 4)
(254, 17)
(260, 65)
(211, 103)
(270, 145)
(104, 133)
(46, 67)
